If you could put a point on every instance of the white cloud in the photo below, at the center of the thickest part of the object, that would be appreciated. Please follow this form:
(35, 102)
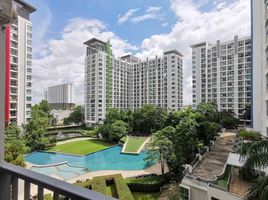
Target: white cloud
(65, 60)
(150, 13)
(124, 18)
(194, 26)
(164, 24)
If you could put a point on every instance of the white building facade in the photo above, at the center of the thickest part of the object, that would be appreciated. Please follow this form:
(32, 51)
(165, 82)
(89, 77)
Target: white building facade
(60, 96)
(21, 64)
(260, 68)
(222, 74)
(133, 83)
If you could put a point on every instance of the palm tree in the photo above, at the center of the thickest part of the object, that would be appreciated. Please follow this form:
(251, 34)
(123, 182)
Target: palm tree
(257, 157)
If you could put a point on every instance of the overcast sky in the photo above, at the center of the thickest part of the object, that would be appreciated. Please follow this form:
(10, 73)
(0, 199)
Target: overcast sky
(141, 27)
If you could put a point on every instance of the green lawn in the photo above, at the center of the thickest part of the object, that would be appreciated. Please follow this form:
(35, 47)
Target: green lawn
(145, 196)
(111, 191)
(81, 147)
(133, 144)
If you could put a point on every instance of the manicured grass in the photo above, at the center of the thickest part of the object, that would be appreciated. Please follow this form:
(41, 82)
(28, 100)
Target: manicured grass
(111, 191)
(145, 196)
(81, 147)
(133, 144)
(121, 189)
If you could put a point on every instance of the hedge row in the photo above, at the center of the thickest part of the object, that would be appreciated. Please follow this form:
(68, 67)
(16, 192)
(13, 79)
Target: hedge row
(99, 185)
(123, 186)
(146, 184)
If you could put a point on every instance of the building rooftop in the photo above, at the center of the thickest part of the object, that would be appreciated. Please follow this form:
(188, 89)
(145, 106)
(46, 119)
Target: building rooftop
(27, 6)
(173, 51)
(199, 45)
(214, 161)
(130, 58)
(93, 40)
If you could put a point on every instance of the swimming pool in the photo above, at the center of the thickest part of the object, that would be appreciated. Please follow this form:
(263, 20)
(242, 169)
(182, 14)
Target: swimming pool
(63, 170)
(108, 159)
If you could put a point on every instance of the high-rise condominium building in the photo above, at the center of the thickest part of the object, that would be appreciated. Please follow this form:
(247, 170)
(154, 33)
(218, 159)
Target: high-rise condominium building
(222, 74)
(260, 66)
(21, 64)
(132, 83)
(60, 96)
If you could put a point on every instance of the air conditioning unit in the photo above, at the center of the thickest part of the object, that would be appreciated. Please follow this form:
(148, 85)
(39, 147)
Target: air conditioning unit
(5, 11)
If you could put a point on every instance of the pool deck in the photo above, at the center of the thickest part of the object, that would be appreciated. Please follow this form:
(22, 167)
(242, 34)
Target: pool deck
(156, 169)
(90, 175)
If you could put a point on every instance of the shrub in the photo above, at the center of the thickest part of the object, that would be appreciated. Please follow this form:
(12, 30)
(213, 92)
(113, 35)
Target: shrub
(122, 188)
(250, 135)
(99, 184)
(90, 133)
(146, 184)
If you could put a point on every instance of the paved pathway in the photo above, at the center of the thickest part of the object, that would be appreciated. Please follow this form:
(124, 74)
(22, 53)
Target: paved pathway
(76, 139)
(156, 169)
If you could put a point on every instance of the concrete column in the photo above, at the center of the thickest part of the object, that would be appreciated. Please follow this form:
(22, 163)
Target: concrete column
(2, 90)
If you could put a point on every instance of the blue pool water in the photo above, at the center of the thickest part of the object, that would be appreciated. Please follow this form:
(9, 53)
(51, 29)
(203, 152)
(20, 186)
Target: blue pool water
(64, 171)
(108, 159)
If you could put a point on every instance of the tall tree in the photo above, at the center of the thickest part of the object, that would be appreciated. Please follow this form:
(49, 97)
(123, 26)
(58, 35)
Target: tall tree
(229, 119)
(118, 130)
(209, 111)
(14, 145)
(149, 119)
(78, 115)
(186, 138)
(37, 127)
(257, 157)
(162, 147)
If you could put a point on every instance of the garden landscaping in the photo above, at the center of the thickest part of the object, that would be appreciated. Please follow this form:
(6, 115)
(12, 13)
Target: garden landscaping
(133, 144)
(82, 147)
(146, 188)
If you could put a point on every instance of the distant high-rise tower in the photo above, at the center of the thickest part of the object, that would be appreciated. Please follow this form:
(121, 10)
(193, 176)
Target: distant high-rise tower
(60, 96)
(21, 64)
(133, 83)
(259, 36)
(222, 74)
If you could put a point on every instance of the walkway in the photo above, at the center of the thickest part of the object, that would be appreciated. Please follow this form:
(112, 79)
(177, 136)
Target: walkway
(214, 161)
(75, 139)
(155, 169)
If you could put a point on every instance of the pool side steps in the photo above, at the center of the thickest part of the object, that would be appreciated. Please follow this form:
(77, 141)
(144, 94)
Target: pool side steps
(58, 164)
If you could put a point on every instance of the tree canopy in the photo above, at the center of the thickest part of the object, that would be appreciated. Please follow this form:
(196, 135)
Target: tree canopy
(14, 145)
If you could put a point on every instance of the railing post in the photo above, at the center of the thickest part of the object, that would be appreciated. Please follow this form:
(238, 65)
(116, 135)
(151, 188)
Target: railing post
(40, 193)
(15, 188)
(5, 183)
(27, 190)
